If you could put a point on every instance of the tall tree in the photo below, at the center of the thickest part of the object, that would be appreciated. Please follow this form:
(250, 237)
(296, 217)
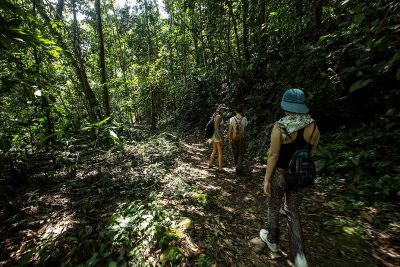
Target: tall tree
(245, 26)
(80, 69)
(102, 62)
(150, 55)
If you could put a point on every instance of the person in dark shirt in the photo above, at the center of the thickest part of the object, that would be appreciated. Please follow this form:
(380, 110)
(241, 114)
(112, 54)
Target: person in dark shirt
(299, 128)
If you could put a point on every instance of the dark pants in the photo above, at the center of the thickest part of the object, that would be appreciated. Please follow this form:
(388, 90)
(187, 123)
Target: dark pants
(291, 198)
(238, 149)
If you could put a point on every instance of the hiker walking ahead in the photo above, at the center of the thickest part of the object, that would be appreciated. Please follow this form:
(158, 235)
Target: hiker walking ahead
(295, 130)
(217, 138)
(236, 136)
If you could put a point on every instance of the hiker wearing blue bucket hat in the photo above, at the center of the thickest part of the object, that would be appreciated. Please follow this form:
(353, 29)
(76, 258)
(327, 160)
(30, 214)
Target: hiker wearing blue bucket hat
(294, 134)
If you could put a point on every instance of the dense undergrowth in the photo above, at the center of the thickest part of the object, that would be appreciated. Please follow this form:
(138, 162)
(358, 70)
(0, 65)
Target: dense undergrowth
(102, 209)
(360, 178)
(107, 205)
(366, 156)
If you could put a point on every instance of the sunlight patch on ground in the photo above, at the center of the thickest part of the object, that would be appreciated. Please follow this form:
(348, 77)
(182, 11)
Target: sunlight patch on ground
(194, 147)
(248, 198)
(228, 209)
(189, 171)
(53, 230)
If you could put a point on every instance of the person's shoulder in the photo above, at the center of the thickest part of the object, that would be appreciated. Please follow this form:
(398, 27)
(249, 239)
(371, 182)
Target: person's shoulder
(217, 117)
(276, 127)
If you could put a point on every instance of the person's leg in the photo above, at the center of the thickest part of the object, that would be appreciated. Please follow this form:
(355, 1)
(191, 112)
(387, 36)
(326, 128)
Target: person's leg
(219, 149)
(292, 202)
(212, 157)
(240, 156)
(278, 185)
(234, 151)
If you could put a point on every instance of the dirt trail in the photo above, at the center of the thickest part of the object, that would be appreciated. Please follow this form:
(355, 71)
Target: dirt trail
(227, 213)
(219, 214)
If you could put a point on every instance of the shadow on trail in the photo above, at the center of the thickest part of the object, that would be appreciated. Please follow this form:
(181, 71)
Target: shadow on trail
(61, 216)
(53, 213)
(223, 208)
(227, 213)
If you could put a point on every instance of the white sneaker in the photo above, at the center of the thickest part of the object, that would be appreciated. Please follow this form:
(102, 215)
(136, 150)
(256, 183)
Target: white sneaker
(264, 237)
(300, 260)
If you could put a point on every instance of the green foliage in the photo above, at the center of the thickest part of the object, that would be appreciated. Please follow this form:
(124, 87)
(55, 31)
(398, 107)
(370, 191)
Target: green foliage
(203, 260)
(365, 158)
(131, 231)
(173, 255)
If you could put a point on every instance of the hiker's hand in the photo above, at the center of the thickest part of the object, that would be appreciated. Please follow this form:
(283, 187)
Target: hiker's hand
(267, 188)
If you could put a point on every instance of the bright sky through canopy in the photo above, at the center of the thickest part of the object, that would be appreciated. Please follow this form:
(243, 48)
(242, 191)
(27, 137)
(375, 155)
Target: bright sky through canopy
(163, 14)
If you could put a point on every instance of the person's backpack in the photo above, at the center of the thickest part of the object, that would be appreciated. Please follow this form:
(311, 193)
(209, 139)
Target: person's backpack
(238, 131)
(209, 130)
(302, 170)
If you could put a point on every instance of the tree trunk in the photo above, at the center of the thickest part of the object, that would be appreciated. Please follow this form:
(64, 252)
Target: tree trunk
(299, 15)
(232, 15)
(102, 62)
(261, 23)
(45, 105)
(150, 59)
(80, 70)
(318, 17)
(245, 36)
(121, 53)
(228, 36)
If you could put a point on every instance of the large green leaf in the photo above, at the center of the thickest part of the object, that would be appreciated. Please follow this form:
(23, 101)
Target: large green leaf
(360, 84)
(172, 255)
(101, 122)
(112, 264)
(359, 18)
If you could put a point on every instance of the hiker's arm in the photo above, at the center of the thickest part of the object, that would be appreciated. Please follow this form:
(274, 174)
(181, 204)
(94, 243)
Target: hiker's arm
(315, 145)
(273, 154)
(218, 120)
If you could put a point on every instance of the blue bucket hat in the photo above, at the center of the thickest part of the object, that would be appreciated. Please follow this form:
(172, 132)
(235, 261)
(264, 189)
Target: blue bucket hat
(293, 100)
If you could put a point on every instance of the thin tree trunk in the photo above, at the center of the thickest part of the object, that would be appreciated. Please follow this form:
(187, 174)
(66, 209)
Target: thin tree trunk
(318, 16)
(232, 15)
(245, 36)
(46, 109)
(102, 62)
(261, 23)
(121, 53)
(299, 15)
(150, 59)
(228, 36)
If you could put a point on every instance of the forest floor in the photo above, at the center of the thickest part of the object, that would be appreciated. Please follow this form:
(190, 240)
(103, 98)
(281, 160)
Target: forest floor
(86, 214)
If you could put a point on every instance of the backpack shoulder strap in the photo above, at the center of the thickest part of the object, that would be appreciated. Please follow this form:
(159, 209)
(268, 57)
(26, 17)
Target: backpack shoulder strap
(315, 126)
